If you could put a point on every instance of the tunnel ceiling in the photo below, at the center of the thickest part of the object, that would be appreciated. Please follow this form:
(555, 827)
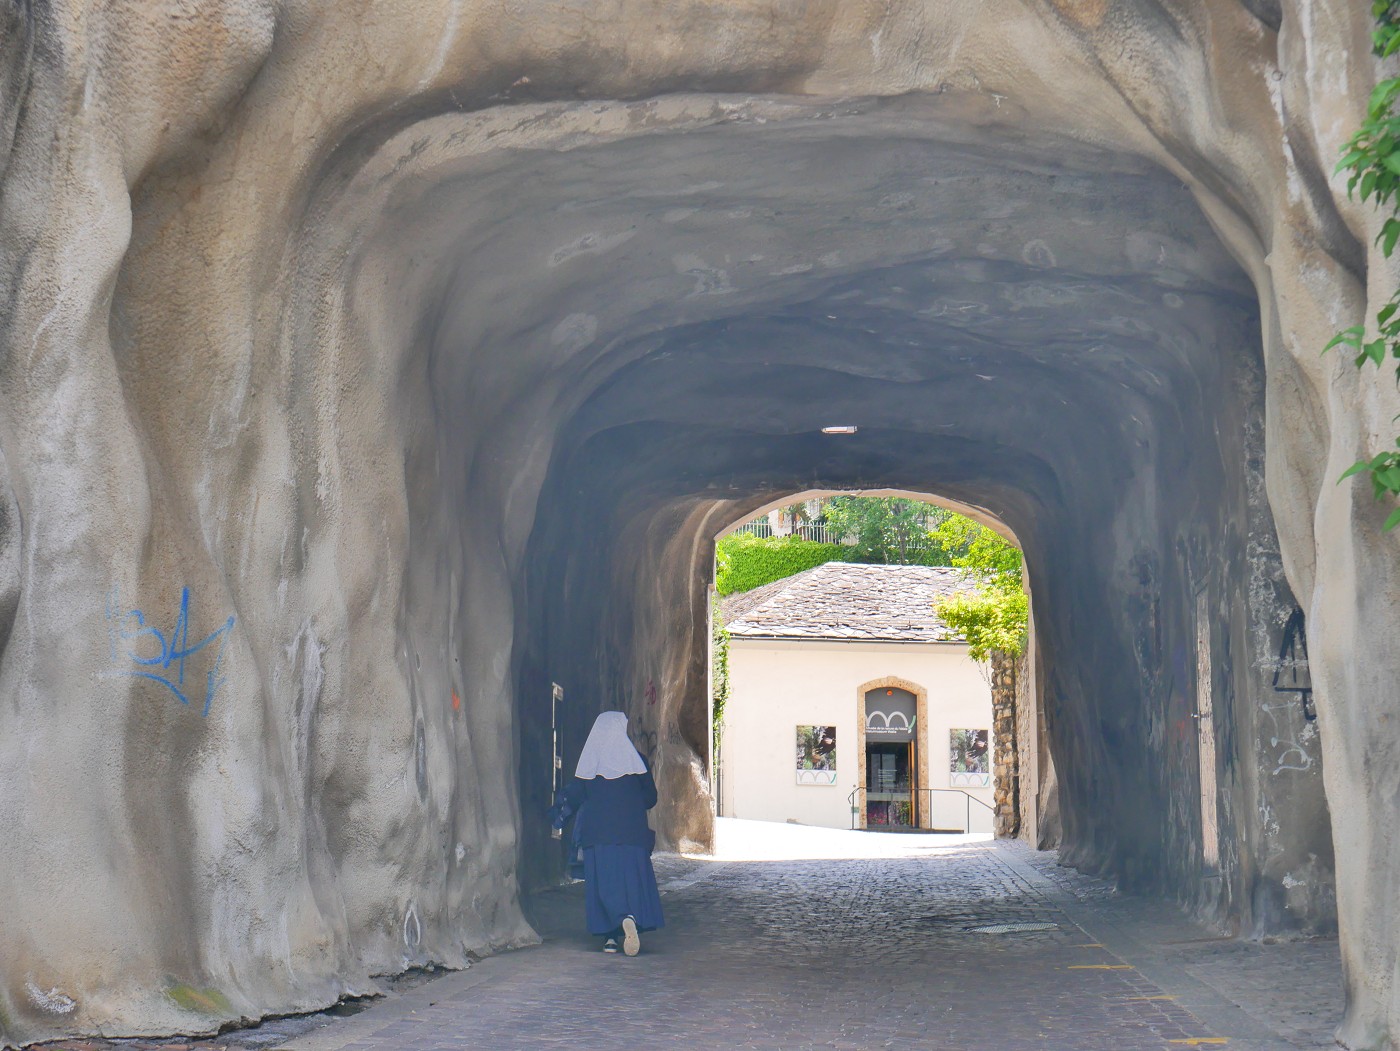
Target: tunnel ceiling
(1009, 297)
(855, 222)
(983, 369)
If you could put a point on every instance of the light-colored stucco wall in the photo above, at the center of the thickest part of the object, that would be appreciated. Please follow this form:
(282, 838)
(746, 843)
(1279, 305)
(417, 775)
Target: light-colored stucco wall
(777, 685)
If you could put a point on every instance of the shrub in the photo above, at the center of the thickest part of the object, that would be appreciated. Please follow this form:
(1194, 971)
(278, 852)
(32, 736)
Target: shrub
(744, 562)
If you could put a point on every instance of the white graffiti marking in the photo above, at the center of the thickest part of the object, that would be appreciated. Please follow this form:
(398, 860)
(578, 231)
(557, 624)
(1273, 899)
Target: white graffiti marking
(52, 1001)
(1294, 755)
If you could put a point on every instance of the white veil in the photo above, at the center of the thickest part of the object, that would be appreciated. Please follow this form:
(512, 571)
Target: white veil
(608, 753)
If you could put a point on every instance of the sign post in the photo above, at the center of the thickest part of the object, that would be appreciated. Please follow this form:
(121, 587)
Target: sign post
(556, 764)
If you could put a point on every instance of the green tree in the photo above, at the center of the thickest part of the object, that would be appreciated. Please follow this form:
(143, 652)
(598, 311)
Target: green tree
(975, 547)
(888, 530)
(993, 616)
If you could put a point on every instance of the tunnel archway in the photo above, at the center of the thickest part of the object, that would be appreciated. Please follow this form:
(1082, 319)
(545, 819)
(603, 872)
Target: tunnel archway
(1075, 399)
(441, 398)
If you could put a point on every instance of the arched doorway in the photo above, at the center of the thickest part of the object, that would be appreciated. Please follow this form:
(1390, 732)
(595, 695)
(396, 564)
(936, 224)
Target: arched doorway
(894, 768)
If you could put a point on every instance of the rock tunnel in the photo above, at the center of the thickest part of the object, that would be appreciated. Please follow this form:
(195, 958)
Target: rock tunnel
(1110, 414)
(369, 368)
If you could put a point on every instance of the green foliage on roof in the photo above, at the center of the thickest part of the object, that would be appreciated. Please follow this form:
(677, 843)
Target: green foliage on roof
(992, 619)
(880, 531)
(744, 562)
(993, 616)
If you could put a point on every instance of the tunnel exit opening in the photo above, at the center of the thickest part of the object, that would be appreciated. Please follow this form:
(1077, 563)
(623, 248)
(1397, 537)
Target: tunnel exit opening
(826, 625)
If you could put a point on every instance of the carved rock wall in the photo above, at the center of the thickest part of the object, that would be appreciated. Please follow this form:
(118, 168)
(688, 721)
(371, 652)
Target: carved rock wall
(364, 367)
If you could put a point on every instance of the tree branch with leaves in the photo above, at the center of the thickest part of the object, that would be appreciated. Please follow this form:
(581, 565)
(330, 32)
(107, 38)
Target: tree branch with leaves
(993, 617)
(1372, 156)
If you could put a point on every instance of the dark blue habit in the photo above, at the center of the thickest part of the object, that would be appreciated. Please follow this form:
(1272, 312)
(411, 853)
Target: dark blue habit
(617, 844)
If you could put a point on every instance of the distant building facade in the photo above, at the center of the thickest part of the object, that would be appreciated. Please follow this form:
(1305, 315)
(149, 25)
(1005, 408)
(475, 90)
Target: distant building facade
(852, 705)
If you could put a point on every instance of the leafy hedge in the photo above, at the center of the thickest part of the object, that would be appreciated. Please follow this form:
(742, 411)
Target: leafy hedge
(719, 655)
(744, 562)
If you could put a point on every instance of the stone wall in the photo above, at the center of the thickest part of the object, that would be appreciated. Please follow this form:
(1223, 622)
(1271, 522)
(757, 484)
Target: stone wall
(1006, 772)
(365, 367)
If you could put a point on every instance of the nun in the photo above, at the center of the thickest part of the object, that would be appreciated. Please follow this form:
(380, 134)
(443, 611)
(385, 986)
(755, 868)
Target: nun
(612, 791)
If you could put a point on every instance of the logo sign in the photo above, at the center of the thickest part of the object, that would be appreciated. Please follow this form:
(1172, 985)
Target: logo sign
(889, 715)
(895, 725)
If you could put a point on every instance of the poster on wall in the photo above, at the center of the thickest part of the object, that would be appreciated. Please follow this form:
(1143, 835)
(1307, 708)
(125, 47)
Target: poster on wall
(969, 759)
(816, 755)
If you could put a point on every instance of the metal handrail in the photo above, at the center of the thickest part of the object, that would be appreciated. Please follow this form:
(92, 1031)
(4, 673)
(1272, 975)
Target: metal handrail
(968, 797)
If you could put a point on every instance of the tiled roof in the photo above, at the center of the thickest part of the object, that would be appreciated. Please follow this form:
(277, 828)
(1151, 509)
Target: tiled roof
(855, 603)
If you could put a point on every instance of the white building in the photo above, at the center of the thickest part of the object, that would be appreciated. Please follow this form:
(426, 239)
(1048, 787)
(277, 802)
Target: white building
(852, 705)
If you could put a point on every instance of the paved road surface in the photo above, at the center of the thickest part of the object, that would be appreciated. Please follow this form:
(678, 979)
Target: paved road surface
(872, 951)
(810, 938)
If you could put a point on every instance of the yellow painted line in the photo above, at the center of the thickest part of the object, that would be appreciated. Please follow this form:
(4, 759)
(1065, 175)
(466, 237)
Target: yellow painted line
(1200, 1041)
(1091, 945)
(1100, 967)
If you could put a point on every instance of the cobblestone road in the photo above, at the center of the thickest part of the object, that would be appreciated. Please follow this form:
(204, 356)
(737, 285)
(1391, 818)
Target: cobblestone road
(875, 953)
(864, 953)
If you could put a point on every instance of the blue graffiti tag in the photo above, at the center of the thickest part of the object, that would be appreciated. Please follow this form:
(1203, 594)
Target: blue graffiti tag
(160, 657)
